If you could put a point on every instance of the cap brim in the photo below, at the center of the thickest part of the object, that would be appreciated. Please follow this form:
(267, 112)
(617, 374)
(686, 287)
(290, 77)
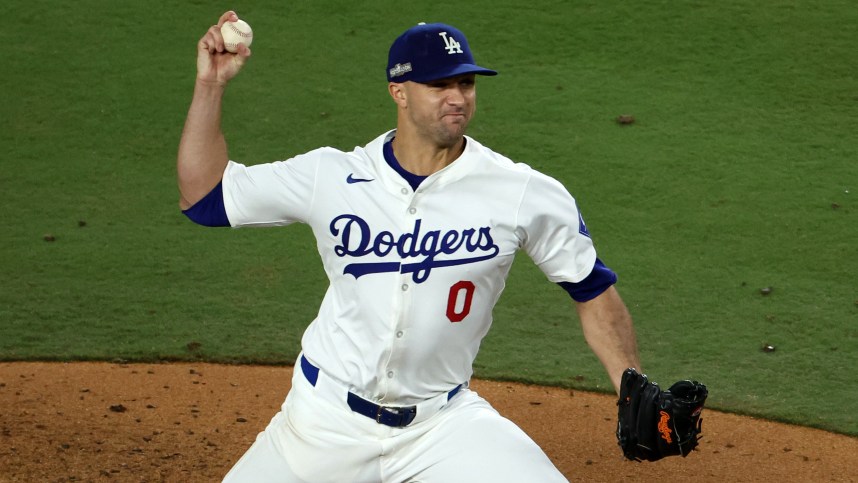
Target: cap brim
(458, 69)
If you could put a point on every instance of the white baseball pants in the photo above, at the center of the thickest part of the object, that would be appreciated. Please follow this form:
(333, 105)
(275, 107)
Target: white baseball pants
(315, 440)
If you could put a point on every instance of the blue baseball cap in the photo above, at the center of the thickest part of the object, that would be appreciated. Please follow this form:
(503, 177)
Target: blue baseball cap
(429, 52)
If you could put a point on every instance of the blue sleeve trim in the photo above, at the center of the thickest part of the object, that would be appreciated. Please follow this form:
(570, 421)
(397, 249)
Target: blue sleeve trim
(591, 287)
(210, 210)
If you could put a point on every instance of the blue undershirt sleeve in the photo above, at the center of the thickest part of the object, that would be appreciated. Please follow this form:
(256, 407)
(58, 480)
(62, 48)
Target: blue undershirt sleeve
(210, 210)
(591, 287)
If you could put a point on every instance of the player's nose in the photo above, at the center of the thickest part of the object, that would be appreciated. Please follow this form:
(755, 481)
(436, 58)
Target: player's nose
(455, 96)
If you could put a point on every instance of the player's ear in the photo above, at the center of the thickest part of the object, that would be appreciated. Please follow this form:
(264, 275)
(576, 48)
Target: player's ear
(397, 92)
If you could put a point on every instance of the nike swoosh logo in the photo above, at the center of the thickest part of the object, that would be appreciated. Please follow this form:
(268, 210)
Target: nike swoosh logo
(352, 180)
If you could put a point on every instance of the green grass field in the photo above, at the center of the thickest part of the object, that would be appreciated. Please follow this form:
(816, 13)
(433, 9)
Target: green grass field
(739, 174)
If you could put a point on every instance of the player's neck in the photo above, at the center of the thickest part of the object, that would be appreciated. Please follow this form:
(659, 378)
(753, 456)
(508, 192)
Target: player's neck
(424, 158)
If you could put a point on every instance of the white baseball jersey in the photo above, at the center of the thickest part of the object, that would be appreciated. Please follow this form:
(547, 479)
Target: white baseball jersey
(414, 275)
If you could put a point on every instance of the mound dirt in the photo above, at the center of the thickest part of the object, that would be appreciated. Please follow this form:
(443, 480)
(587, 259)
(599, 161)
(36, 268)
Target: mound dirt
(63, 422)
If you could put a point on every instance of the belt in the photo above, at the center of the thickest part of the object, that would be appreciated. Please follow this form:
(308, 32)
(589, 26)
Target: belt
(393, 416)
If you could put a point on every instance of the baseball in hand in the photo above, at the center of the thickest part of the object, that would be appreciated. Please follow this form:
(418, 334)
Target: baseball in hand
(234, 33)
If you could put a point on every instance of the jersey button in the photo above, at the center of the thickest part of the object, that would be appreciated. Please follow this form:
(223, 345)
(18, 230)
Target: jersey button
(390, 374)
(399, 334)
(412, 210)
(405, 191)
(404, 287)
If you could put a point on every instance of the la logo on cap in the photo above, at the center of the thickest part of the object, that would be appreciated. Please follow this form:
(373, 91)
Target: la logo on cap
(418, 55)
(452, 46)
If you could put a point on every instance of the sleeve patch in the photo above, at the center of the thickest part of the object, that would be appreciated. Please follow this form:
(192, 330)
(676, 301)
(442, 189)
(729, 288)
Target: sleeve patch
(582, 228)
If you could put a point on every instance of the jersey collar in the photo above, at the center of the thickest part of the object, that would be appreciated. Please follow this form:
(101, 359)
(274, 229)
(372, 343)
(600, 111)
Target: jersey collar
(463, 165)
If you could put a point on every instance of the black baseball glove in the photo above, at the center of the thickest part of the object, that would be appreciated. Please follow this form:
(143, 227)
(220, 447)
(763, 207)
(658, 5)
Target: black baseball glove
(653, 423)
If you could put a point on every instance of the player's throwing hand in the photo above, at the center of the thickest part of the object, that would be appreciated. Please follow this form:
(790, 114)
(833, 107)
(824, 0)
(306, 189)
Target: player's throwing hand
(214, 63)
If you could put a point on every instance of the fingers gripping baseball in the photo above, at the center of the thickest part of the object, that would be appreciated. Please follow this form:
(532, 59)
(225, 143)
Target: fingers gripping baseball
(216, 64)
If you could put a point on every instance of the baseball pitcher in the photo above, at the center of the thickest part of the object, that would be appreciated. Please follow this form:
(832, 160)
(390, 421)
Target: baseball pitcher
(417, 230)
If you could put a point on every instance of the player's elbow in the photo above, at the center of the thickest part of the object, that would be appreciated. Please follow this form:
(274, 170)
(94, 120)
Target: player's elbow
(209, 210)
(184, 204)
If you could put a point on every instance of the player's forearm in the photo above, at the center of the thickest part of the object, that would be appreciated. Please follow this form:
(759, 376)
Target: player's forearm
(610, 333)
(202, 156)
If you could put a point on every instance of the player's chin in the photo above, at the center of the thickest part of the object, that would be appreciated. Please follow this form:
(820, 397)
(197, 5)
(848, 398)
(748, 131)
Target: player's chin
(453, 134)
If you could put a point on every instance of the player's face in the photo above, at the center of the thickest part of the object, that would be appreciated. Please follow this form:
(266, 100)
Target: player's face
(441, 110)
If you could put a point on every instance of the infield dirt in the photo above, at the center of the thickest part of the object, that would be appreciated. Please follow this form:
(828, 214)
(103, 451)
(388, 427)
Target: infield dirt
(63, 422)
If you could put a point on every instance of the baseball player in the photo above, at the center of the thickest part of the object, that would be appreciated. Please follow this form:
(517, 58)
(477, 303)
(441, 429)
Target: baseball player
(417, 231)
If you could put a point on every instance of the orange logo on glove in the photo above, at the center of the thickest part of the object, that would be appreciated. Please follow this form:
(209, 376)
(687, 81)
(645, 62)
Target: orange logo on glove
(663, 427)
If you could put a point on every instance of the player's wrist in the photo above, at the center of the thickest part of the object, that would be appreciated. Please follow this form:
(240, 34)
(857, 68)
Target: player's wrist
(204, 85)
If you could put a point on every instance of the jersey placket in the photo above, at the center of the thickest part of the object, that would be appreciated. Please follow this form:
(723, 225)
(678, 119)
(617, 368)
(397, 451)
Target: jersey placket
(399, 331)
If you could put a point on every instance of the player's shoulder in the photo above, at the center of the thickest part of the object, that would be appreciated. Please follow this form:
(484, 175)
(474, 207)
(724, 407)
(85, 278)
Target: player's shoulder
(325, 153)
(330, 157)
(501, 163)
(358, 154)
(496, 160)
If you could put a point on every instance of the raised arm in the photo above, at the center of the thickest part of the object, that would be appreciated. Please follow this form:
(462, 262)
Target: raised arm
(203, 154)
(610, 333)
